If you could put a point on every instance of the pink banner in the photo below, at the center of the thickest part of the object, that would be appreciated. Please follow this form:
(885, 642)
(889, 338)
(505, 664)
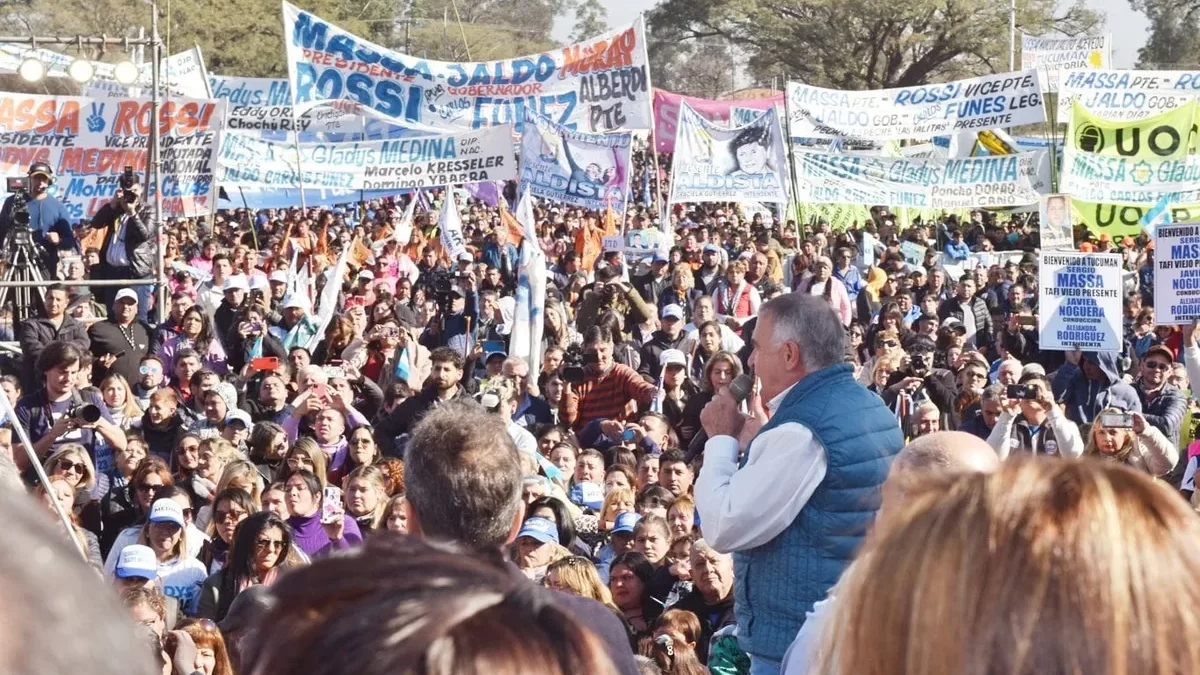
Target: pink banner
(666, 112)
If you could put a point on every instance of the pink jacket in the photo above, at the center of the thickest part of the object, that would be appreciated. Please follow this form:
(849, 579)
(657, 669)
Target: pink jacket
(838, 297)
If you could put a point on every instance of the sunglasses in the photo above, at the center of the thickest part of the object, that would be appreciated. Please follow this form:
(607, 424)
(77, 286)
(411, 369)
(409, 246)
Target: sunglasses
(890, 344)
(1157, 365)
(273, 544)
(67, 465)
(146, 487)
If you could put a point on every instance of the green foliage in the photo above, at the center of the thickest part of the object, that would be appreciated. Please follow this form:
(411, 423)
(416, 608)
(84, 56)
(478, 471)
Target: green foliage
(591, 19)
(1174, 40)
(865, 44)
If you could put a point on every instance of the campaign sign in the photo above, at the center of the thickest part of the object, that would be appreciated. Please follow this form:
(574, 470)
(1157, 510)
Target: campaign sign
(715, 164)
(429, 161)
(1053, 55)
(89, 143)
(666, 113)
(600, 85)
(574, 167)
(1079, 301)
(919, 112)
(250, 91)
(1177, 274)
(1126, 94)
(1054, 222)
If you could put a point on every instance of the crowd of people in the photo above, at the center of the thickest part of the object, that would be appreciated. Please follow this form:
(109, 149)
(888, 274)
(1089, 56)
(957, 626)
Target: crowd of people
(266, 483)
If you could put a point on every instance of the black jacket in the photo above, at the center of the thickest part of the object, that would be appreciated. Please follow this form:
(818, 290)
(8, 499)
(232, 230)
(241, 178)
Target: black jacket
(36, 333)
(139, 239)
(108, 338)
(982, 338)
(405, 416)
(162, 441)
(652, 351)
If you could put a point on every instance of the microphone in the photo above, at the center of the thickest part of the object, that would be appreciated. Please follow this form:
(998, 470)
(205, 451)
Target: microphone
(742, 385)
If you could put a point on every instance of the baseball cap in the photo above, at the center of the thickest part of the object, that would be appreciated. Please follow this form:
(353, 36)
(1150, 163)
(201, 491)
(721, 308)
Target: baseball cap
(953, 323)
(126, 294)
(672, 311)
(167, 511)
(660, 257)
(590, 495)
(367, 274)
(541, 529)
(137, 560)
(1159, 350)
(239, 416)
(465, 257)
(41, 168)
(258, 281)
(278, 277)
(237, 282)
(711, 248)
(624, 522)
(294, 300)
(670, 357)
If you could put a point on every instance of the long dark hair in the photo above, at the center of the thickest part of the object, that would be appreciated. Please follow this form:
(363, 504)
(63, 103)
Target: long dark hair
(204, 340)
(239, 570)
(566, 525)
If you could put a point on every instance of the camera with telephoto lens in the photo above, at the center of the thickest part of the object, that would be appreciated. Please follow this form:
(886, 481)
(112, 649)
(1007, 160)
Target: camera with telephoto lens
(128, 180)
(575, 359)
(445, 283)
(87, 413)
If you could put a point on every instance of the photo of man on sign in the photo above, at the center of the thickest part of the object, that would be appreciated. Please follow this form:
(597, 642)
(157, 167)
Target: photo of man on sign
(1055, 216)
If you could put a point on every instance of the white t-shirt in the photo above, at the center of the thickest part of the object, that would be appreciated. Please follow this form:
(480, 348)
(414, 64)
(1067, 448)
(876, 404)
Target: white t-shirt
(182, 579)
(129, 535)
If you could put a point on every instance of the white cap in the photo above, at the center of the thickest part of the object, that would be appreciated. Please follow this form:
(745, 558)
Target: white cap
(126, 294)
(137, 560)
(670, 357)
(673, 311)
(279, 277)
(239, 416)
(236, 282)
(167, 511)
(295, 300)
(258, 281)
(366, 274)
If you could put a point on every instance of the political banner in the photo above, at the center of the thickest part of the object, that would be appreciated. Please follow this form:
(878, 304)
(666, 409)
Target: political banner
(1177, 274)
(666, 113)
(714, 164)
(1126, 94)
(450, 228)
(89, 143)
(182, 74)
(250, 91)
(1054, 222)
(1132, 162)
(574, 167)
(1120, 220)
(1052, 56)
(1079, 301)
(431, 161)
(914, 254)
(599, 85)
(996, 181)
(919, 112)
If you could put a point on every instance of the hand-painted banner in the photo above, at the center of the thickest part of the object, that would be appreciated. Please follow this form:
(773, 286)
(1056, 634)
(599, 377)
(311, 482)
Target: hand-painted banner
(1133, 162)
(1177, 274)
(431, 161)
(1005, 180)
(1052, 56)
(917, 113)
(600, 85)
(589, 170)
(89, 143)
(1126, 94)
(250, 91)
(666, 113)
(714, 164)
(1079, 301)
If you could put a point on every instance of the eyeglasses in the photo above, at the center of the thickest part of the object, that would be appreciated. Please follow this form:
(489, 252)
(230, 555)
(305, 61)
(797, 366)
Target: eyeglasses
(228, 516)
(297, 461)
(1157, 365)
(273, 544)
(65, 465)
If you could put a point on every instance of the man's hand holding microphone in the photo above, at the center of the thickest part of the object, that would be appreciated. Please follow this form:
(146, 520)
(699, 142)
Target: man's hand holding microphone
(723, 416)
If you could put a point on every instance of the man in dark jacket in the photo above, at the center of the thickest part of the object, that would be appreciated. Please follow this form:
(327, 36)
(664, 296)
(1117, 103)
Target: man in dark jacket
(1089, 382)
(127, 251)
(669, 336)
(982, 421)
(443, 384)
(651, 284)
(236, 289)
(120, 342)
(972, 312)
(1163, 405)
(54, 324)
(920, 382)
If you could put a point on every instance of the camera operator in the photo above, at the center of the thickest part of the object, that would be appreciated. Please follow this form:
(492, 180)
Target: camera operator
(606, 387)
(1033, 423)
(58, 413)
(456, 303)
(45, 215)
(919, 382)
(128, 248)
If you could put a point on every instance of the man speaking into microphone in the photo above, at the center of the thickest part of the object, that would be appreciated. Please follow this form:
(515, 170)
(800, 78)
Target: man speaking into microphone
(791, 497)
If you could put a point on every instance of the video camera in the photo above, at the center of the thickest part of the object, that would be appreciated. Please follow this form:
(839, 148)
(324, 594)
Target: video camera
(575, 359)
(18, 187)
(445, 283)
(127, 181)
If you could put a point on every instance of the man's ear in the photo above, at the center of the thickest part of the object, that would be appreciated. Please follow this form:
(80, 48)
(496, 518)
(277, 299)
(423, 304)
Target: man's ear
(518, 521)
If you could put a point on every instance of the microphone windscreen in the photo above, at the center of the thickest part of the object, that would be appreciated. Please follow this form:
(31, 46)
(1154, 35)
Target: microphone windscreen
(741, 386)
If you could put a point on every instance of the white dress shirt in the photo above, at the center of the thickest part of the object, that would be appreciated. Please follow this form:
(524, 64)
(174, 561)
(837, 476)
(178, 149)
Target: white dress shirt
(748, 507)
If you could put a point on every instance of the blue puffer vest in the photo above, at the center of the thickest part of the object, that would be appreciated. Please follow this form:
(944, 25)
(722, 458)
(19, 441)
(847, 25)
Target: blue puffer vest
(777, 583)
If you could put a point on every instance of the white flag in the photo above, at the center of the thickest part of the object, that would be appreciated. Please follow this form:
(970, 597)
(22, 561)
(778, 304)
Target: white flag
(530, 310)
(450, 227)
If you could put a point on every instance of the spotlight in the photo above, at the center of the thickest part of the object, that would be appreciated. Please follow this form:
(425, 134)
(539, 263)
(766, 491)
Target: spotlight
(126, 73)
(81, 70)
(31, 70)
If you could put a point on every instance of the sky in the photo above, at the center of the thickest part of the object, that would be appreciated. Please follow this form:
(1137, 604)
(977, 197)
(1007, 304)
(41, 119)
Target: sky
(1126, 41)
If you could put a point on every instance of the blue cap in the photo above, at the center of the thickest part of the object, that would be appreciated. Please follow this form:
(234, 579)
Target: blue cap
(711, 248)
(590, 495)
(624, 522)
(541, 529)
(659, 256)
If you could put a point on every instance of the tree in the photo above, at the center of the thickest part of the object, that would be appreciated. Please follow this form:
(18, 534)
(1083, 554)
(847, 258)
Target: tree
(865, 44)
(702, 68)
(591, 19)
(1174, 40)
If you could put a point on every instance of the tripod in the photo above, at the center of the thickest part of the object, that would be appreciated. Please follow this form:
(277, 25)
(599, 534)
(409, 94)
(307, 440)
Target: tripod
(24, 267)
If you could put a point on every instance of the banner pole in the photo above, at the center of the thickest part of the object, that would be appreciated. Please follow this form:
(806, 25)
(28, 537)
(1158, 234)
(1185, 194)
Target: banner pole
(786, 127)
(295, 133)
(658, 188)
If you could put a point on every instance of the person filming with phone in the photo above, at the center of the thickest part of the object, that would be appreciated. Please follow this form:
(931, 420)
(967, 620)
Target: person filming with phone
(1129, 439)
(127, 251)
(1031, 422)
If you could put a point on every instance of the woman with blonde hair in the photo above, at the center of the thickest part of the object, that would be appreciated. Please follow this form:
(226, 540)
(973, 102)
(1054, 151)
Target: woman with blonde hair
(73, 464)
(240, 474)
(1045, 566)
(366, 497)
(577, 575)
(306, 454)
(1140, 446)
(166, 533)
(63, 492)
(121, 402)
(618, 500)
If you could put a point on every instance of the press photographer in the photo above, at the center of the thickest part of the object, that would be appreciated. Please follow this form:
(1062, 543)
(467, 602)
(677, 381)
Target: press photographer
(32, 206)
(598, 387)
(919, 381)
(128, 248)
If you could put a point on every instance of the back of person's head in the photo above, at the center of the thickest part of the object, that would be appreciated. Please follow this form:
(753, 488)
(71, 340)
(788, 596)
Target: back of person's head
(57, 616)
(811, 323)
(462, 477)
(1044, 566)
(401, 605)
